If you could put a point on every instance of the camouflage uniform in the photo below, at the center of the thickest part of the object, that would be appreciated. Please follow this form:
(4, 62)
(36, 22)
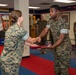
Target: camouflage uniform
(41, 24)
(13, 50)
(62, 53)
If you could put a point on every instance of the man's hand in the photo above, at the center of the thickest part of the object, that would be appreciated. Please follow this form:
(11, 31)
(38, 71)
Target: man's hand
(49, 46)
(38, 39)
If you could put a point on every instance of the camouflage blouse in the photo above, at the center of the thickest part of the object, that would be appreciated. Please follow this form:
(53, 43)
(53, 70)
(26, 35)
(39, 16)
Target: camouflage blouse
(41, 25)
(13, 45)
(56, 27)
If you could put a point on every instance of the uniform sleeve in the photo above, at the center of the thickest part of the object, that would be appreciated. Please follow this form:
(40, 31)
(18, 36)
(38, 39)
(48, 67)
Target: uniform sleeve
(64, 28)
(20, 32)
(25, 37)
(48, 24)
(64, 31)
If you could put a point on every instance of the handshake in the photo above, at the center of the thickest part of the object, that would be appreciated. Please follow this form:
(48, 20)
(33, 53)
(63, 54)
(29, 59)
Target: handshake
(31, 41)
(38, 39)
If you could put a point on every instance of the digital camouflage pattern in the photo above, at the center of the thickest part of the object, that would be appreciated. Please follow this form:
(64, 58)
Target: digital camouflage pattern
(13, 50)
(40, 25)
(62, 53)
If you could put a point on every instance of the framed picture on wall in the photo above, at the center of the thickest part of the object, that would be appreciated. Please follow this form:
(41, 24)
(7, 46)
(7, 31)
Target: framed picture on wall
(66, 16)
(5, 21)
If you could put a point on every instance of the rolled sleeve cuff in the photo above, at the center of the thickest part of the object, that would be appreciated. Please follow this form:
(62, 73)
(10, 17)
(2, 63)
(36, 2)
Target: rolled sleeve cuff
(25, 37)
(48, 26)
(64, 31)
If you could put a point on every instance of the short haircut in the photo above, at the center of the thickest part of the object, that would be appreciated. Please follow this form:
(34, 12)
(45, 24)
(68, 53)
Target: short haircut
(57, 7)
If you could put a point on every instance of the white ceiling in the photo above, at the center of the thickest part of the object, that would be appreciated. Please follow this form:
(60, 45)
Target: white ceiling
(37, 3)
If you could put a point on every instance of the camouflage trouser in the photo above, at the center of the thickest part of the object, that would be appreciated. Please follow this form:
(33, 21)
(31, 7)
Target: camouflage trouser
(8, 69)
(62, 63)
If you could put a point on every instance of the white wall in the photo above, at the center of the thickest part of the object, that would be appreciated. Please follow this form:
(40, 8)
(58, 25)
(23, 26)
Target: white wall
(72, 20)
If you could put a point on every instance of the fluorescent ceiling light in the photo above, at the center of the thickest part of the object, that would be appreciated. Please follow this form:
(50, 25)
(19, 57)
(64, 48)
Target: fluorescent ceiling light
(31, 7)
(64, 1)
(3, 5)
